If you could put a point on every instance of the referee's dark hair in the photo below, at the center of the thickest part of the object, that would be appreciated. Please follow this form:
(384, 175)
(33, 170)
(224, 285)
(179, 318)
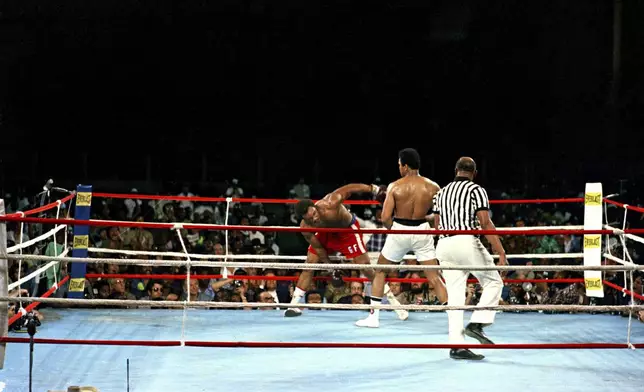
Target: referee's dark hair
(409, 157)
(466, 164)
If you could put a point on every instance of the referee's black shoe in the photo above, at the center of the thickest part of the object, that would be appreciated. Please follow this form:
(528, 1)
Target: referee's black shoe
(463, 353)
(475, 330)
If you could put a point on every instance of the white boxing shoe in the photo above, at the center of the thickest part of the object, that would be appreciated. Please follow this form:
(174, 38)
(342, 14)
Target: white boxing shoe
(369, 322)
(292, 312)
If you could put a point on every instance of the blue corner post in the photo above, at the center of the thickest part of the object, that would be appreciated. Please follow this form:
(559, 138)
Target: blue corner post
(81, 241)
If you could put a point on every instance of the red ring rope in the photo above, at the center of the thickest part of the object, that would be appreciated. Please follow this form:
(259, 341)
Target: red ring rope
(359, 202)
(623, 290)
(628, 207)
(294, 229)
(32, 305)
(43, 208)
(291, 201)
(166, 343)
(21, 217)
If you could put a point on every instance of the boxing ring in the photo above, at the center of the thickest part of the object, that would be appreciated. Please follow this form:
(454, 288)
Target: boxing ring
(203, 346)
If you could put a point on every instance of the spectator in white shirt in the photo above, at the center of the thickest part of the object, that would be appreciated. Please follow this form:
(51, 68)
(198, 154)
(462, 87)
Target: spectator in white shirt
(270, 286)
(367, 222)
(185, 203)
(302, 191)
(256, 234)
(271, 245)
(234, 190)
(133, 205)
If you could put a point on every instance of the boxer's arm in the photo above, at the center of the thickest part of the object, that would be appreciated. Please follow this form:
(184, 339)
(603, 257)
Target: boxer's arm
(435, 214)
(387, 214)
(344, 192)
(319, 249)
(434, 188)
(435, 220)
(431, 218)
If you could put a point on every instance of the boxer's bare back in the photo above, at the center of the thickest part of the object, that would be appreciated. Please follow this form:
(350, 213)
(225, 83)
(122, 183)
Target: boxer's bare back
(412, 197)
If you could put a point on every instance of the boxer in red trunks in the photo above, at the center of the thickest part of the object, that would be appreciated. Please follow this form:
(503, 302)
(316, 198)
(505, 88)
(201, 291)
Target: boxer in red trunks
(329, 212)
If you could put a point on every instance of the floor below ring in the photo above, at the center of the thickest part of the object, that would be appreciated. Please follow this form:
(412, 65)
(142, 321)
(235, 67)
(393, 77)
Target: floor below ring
(308, 369)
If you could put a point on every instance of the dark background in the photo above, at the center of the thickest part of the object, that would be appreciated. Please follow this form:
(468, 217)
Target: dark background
(161, 92)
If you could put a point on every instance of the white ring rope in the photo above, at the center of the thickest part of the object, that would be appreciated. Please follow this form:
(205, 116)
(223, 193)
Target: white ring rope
(632, 288)
(283, 257)
(618, 260)
(624, 248)
(186, 255)
(55, 251)
(22, 245)
(218, 227)
(38, 271)
(632, 237)
(22, 235)
(626, 264)
(631, 310)
(69, 209)
(183, 318)
(313, 266)
(607, 246)
(606, 226)
(624, 254)
(224, 272)
(41, 237)
(219, 305)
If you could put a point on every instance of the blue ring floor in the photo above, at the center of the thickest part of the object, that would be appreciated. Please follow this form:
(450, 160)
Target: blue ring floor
(309, 369)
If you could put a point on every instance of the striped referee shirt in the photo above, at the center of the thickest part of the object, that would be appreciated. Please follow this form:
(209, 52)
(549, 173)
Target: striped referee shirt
(457, 204)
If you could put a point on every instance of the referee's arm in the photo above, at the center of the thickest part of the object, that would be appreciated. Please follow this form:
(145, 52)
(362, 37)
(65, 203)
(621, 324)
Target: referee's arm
(482, 205)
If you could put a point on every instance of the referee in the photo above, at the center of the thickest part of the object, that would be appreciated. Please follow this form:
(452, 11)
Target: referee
(464, 205)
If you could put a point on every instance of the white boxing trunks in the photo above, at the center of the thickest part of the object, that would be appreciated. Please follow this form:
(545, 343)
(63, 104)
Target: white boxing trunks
(398, 245)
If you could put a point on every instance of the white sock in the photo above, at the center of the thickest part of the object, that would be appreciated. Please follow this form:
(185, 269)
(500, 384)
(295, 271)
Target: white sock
(375, 312)
(297, 295)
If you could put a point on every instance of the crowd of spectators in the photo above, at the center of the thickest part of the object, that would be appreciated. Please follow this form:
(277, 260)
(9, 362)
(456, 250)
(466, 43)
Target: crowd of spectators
(163, 244)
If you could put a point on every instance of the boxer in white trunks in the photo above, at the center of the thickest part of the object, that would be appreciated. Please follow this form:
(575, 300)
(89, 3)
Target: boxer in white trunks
(407, 204)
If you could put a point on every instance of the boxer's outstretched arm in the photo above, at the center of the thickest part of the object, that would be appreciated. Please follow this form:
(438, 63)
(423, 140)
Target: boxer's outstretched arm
(341, 194)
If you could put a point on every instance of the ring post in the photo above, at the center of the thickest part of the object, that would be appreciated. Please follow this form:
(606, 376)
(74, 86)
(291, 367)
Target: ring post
(81, 241)
(4, 284)
(593, 243)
